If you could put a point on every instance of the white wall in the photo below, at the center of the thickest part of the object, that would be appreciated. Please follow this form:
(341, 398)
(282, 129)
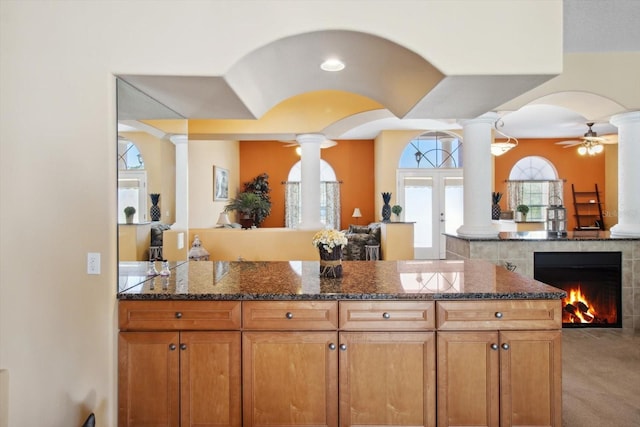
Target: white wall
(58, 149)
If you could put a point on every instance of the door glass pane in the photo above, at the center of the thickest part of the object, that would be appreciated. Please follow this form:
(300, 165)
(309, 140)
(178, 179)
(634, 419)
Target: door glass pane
(453, 203)
(418, 197)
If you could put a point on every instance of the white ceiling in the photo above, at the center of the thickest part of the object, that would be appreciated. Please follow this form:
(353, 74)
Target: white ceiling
(422, 98)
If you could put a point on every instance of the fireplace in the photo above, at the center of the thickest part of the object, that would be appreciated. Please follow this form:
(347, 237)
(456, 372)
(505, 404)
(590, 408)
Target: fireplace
(593, 282)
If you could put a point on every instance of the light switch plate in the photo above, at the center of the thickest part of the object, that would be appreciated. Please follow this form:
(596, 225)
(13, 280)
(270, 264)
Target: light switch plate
(93, 263)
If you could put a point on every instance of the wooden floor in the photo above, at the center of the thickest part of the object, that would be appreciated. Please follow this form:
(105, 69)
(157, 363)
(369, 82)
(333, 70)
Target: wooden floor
(601, 378)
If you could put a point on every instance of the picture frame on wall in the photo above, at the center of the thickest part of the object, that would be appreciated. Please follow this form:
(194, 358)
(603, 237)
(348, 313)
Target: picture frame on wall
(220, 183)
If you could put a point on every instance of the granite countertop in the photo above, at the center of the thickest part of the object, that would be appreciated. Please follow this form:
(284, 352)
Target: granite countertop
(545, 235)
(299, 280)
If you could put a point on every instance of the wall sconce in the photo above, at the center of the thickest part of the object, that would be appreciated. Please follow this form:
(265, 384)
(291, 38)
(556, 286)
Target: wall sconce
(356, 214)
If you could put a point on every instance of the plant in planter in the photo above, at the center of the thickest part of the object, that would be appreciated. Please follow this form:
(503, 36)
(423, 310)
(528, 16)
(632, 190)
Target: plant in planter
(260, 186)
(495, 206)
(129, 212)
(249, 206)
(396, 210)
(523, 210)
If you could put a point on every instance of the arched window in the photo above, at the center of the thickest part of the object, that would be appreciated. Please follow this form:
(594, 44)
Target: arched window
(329, 196)
(432, 150)
(533, 181)
(132, 181)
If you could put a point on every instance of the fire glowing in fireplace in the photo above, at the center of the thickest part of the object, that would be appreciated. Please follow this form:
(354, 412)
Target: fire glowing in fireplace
(577, 309)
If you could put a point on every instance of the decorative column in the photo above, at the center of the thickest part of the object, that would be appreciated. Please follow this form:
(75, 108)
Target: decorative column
(628, 125)
(310, 183)
(182, 182)
(476, 172)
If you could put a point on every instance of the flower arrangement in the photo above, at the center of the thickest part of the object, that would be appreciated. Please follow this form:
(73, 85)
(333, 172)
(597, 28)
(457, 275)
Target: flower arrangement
(328, 239)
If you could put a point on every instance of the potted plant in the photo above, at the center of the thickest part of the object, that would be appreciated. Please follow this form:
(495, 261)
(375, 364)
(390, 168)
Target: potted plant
(523, 210)
(396, 210)
(248, 205)
(129, 212)
(260, 186)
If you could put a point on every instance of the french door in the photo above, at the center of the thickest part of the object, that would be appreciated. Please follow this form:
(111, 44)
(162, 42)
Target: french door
(432, 200)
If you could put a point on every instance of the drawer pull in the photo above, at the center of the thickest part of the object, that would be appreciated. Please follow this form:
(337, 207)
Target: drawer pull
(494, 346)
(172, 347)
(178, 315)
(505, 346)
(343, 347)
(498, 314)
(332, 346)
(289, 315)
(183, 346)
(386, 315)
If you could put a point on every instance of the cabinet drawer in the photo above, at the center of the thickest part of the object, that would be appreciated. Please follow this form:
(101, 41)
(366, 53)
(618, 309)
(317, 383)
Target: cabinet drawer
(387, 315)
(179, 315)
(499, 315)
(290, 315)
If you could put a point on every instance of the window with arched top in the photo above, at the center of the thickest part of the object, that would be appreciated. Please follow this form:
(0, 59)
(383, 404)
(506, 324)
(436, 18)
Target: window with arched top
(329, 196)
(432, 150)
(533, 181)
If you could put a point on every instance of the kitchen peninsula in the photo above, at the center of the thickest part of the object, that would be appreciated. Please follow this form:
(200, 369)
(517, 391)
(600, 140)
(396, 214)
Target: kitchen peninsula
(419, 343)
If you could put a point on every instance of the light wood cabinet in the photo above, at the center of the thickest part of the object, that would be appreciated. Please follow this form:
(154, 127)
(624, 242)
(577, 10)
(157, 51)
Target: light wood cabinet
(340, 363)
(170, 376)
(293, 376)
(489, 375)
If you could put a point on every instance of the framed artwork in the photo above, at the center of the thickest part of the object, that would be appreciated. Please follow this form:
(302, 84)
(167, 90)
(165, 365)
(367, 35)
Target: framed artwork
(220, 183)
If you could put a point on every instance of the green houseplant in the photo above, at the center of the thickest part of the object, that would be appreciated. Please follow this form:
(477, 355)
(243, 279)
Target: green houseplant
(249, 205)
(129, 212)
(523, 210)
(396, 210)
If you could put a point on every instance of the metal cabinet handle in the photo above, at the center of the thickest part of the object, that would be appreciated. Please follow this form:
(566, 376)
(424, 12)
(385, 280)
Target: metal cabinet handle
(498, 314)
(178, 315)
(289, 315)
(332, 346)
(343, 347)
(494, 346)
(386, 315)
(183, 346)
(172, 346)
(505, 346)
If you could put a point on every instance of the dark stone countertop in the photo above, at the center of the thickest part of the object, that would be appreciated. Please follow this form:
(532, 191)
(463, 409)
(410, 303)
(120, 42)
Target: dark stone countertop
(299, 280)
(546, 236)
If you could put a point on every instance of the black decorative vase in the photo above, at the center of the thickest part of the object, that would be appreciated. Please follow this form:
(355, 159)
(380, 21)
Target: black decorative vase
(386, 208)
(331, 262)
(495, 211)
(154, 211)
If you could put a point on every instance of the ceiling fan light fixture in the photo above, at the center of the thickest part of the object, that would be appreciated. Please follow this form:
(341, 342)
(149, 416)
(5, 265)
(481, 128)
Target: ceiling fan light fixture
(582, 150)
(332, 65)
(597, 149)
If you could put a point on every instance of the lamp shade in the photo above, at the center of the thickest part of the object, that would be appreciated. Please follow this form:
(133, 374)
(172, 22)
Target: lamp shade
(223, 219)
(356, 213)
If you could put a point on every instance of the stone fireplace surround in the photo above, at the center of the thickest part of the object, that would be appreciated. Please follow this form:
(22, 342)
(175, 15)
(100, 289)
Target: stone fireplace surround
(517, 249)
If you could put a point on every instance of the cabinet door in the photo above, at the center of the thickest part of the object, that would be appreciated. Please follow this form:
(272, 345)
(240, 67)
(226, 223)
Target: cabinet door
(531, 378)
(210, 379)
(148, 379)
(387, 378)
(468, 373)
(290, 378)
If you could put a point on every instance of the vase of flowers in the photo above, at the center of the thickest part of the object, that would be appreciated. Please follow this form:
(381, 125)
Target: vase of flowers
(330, 243)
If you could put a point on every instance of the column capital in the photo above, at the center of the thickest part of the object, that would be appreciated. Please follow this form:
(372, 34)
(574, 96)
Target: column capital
(179, 139)
(624, 118)
(311, 138)
(486, 118)
(489, 231)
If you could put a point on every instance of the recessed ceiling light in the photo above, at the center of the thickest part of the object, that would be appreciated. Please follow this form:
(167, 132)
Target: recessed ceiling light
(332, 65)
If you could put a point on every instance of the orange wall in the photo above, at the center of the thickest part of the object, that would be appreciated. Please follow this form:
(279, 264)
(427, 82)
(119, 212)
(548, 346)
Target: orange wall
(582, 171)
(351, 160)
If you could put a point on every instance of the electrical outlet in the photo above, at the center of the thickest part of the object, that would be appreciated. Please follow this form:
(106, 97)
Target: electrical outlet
(93, 263)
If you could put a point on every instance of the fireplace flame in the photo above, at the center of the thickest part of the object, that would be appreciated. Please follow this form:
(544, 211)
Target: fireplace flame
(578, 308)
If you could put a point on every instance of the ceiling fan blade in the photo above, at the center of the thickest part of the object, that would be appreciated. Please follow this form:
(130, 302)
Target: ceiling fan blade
(571, 143)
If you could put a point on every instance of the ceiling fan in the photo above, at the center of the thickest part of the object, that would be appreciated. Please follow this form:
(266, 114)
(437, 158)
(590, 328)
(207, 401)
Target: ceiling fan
(590, 143)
